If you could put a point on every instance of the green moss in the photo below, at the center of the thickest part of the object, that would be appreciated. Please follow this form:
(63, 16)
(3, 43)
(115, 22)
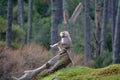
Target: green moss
(107, 71)
(84, 73)
(114, 77)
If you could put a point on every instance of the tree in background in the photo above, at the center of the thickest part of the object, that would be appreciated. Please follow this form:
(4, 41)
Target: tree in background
(57, 16)
(113, 20)
(8, 40)
(97, 27)
(20, 19)
(104, 24)
(65, 15)
(87, 32)
(60, 9)
(29, 33)
(9, 24)
(109, 11)
(116, 45)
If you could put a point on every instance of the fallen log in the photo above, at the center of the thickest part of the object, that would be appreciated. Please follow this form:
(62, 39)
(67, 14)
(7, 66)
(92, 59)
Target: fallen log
(58, 62)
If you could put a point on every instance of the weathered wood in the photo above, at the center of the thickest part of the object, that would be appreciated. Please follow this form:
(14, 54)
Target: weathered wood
(77, 11)
(58, 62)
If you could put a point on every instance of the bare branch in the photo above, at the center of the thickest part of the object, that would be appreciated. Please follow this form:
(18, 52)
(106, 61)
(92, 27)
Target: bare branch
(77, 11)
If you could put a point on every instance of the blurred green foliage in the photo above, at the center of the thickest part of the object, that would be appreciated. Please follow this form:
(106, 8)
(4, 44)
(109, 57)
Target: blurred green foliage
(15, 28)
(35, 14)
(3, 24)
(16, 31)
(3, 8)
(103, 60)
(42, 7)
(41, 31)
(14, 44)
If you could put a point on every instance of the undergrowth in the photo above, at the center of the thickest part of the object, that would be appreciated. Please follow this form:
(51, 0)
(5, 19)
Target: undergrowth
(24, 58)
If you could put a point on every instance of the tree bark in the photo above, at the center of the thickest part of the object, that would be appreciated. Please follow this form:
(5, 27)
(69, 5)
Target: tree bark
(87, 32)
(104, 24)
(60, 61)
(109, 14)
(57, 16)
(116, 48)
(97, 27)
(60, 6)
(113, 20)
(9, 24)
(65, 15)
(20, 18)
(29, 33)
(8, 40)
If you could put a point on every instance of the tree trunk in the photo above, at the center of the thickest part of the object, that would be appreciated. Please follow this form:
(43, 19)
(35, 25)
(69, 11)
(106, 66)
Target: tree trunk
(104, 24)
(57, 15)
(9, 24)
(29, 33)
(116, 48)
(60, 61)
(8, 39)
(113, 20)
(97, 27)
(87, 32)
(109, 11)
(60, 6)
(65, 15)
(20, 18)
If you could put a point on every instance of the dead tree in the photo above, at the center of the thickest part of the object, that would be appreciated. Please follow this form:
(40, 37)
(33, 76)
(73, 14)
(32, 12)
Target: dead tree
(97, 28)
(60, 61)
(76, 12)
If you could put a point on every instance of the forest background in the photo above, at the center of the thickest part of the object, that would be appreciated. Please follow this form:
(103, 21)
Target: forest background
(31, 37)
